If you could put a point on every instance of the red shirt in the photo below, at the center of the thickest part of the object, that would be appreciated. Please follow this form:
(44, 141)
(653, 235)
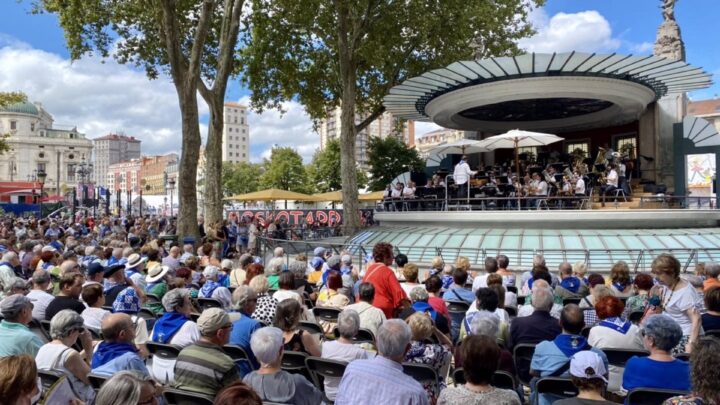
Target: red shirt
(439, 305)
(388, 293)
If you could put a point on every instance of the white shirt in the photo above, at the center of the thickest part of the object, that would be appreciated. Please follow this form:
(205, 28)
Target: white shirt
(370, 317)
(527, 310)
(407, 287)
(580, 186)
(612, 178)
(541, 188)
(221, 294)
(677, 303)
(408, 192)
(41, 300)
(395, 193)
(462, 172)
(188, 334)
(605, 338)
(93, 317)
(479, 282)
(622, 169)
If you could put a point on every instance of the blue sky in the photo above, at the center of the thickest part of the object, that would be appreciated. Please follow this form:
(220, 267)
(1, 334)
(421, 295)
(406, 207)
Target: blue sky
(106, 97)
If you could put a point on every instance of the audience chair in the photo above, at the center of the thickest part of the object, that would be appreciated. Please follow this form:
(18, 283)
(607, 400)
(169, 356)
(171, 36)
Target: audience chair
(682, 356)
(512, 311)
(96, 333)
(311, 327)
(575, 301)
(636, 316)
(206, 303)
(48, 378)
(363, 335)
(327, 314)
(520, 300)
(512, 289)
(714, 333)
(650, 396)
(164, 357)
(152, 299)
(97, 380)
(37, 328)
(294, 362)
(618, 357)
(457, 306)
(238, 354)
(501, 379)
(585, 332)
(423, 374)
(146, 314)
(174, 396)
(522, 356)
(561, 387)
(320, 369)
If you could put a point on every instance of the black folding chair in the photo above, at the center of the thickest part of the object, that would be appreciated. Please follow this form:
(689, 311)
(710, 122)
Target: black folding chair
(585, 332)
(423, 374)
(181, 397)
(96, 333)
(650, 396)
(512, 311)
(320, 369)
(294, 362)
(522, 355)
(162, 350)
(327, 314)
(636, 316)
(48, 378)
(37, 328)
(97, 380)
(714, 332)
(238, 354)
(146, 314)
(504, 380)
(457, 306)
(311, 327)
(619, 357)
(512, 289)
(561, 387)
(520, 300)
(459, 376)
(363, 335)
(205, 303)
(152, 299)
(575, 301)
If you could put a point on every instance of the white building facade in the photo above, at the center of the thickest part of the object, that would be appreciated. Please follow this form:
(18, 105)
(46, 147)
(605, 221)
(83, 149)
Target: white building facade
(236, 134)
(37, 146)
(111, 149)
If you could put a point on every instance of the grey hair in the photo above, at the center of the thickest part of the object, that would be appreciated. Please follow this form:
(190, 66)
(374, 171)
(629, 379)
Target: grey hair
(485, 323)
(348, 323)
(538, 260)
(260, 284)
(64, 323)
(241, 294)
(16, 282)
(694, 280)
(40, 277)
(712, 269)
(279, 251)
(298, 268)
(542, 298)
(9, 256)
(266, 344)
(392, 338)
(122, 388)
(175, 298)
(274, 266)
(664, 331)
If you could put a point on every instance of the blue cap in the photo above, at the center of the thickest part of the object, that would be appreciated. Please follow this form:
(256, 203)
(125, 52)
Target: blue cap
(319, 251)
(316, 262)
(95, 268)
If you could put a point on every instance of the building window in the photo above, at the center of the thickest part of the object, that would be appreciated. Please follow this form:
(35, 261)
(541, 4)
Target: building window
(41, 167)
(243, 131)
(242, 121)
(13, 125)
(570, 147)
(623, 143)
(32, 127)
(528, 149)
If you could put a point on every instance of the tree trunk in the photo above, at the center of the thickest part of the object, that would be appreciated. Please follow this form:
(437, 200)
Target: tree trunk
(187, 193)
(213, 163)
(348, 78)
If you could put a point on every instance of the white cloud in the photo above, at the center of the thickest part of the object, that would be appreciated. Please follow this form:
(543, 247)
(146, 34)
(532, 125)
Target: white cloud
(643, 48)
(98, 96)
(586, 31)
(291, 128)
(422, 128)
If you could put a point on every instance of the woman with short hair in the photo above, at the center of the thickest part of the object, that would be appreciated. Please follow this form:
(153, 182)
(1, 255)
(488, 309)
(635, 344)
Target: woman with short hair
(266, 305)
(711, 318)
(704, 374)
(18, 380)
(678, 299)
(94, 297)
(660, 369)
(66, 327)
(389, 296)
(481, 355)
(642, 284)
(343, 348)
(128, 388)
(435, 355)
(614, 332)
(286, 290)
(410, 273)
(271, 382)
(620, 281)
(287, 319)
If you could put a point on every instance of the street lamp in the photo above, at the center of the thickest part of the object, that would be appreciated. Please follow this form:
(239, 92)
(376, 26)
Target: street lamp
(41, 176)
(83, 170)
(171, 187)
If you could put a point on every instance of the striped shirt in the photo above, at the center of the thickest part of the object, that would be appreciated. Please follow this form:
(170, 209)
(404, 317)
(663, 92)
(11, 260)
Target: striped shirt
(379, 381)
(204, 367)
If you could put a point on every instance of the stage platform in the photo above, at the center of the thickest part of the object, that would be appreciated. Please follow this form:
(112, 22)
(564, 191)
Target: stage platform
(556, 219)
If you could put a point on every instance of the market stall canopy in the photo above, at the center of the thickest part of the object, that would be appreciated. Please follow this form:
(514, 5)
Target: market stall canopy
(273, 194)
(374, 196)
(334, 196)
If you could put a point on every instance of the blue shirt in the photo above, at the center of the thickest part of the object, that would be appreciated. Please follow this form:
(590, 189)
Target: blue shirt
(126, 361)
(458, 293)
(648, 373)
(379, 381)
(16, 339)
(242, 330)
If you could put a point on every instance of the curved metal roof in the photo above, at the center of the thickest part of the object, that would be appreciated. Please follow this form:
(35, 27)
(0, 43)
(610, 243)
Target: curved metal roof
(22, 108)
(599, 247)
(662, 76)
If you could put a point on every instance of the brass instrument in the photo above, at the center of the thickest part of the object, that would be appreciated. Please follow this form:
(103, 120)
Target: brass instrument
(568, 173)
(548, 178)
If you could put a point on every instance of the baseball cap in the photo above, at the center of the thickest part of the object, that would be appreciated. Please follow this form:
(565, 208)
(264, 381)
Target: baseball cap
(11, 306)
(316, 262)
(226, 264)
(333, 261)
(587, 364)
(95, 268)
(112, 269)
(213, 319)
(319, 251)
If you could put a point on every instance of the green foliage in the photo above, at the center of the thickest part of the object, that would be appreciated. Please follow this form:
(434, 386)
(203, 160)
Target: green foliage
(285, 171)
(324, 170)
(8, 98)
(294, 45)
(389, 158)
(241, 178)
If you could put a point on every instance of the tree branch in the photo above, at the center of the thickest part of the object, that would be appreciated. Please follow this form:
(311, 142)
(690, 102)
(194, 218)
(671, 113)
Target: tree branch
(199, 39)
(228, 39)
(169, 29)
(372, 117)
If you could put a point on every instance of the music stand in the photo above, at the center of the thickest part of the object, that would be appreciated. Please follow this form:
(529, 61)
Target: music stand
(502, 180)
(600, 168)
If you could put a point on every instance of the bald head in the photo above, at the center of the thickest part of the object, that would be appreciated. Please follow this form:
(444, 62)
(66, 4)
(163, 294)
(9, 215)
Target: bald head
(69, 266)
(572, 319)
(118, 328)
(175, 251)
(565, 269)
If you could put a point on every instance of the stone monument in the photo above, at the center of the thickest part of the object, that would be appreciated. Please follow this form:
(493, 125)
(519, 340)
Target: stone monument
(671, 108)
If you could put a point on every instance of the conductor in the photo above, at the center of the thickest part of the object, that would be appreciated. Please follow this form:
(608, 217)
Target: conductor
(462, 176)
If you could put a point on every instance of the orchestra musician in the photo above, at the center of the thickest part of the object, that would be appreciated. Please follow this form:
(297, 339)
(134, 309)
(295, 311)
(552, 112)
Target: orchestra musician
(538, 190)
(462, 175)
(611, 182)
(579, 184)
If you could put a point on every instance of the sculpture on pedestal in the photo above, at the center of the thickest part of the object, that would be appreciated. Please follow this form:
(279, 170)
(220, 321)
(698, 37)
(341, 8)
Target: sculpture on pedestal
(669, 43)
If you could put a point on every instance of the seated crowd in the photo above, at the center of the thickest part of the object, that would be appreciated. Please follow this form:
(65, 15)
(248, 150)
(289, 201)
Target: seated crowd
(149, 322)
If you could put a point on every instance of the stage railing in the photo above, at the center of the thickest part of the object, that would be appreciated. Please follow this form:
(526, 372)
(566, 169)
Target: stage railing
(597, 260)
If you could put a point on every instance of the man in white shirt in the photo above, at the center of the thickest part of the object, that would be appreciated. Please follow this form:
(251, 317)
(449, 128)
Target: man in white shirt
(611, 185)
(462, 175)
(39, 295)
(579, 185)
(538, 189)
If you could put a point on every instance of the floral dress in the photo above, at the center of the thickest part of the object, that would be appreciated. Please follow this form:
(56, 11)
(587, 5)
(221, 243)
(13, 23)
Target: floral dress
(265, 309)
(434, 355)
